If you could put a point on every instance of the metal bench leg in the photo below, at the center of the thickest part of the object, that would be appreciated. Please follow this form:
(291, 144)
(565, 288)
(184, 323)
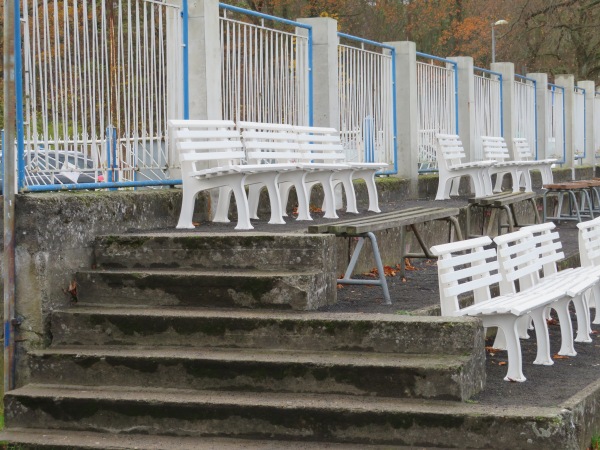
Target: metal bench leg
(381, 282)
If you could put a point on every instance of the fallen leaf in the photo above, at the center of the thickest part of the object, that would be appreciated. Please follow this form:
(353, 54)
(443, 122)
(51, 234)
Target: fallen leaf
(404, 279)
(595, 332)
(512, 380)
(408, 265)
(315, 209)
(492, 349)
(72, 291)
(557, 356)
(502, 363)
(340, 286)
(552, 322)
(196, 224)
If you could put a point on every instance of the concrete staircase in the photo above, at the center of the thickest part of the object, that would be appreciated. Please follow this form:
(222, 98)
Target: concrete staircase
(194, 341)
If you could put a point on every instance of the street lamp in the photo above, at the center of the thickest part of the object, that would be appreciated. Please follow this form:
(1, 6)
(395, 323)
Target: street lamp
(499, 22)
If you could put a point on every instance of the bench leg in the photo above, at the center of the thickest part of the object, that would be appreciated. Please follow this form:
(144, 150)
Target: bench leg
(566, 329)
(222, 210)
(187, 209)
(596, 297)
(381, 282)
(508, 324)
(583, 319)
(543, 356)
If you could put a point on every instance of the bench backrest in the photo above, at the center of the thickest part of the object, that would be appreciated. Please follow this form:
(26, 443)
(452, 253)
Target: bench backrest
(320, 144)
(495, 148)
(206, 143)
(522, 150)
(465, 267)
(449, 150)
(518, 261)
(589, 242)
(548, 247)
(268, 143)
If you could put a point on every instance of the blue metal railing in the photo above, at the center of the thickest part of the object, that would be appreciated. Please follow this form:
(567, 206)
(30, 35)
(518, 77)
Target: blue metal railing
(553, 88)
(499, 75)
(185, 16)
(294, 24)
(394, 111)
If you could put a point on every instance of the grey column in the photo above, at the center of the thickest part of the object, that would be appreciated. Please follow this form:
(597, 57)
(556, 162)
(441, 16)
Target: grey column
(568, 82)
(326, 109)
(508, 108)
(407, 150)
(541, 98)
(466, 104)
(590, 93)
(204, 60)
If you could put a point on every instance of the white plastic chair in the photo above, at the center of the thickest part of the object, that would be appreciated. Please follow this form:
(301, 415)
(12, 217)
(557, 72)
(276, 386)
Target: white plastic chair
(589, 252)
(450, 152)
(495, 149)
(211, 156)
(523, 153)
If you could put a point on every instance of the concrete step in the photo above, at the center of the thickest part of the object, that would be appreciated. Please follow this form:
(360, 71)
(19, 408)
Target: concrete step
(246, 250)
(444, 377)
(75, 440)
(312, 417)
(290, 330)
(232, 288)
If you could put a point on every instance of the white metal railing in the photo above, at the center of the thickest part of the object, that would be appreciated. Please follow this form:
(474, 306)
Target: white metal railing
(366, 101)
(97, 68)
(596, 128)
(436, 101)
(525, 122)
(265, 70)
(488, 107)
(579, 144)
(555, 123)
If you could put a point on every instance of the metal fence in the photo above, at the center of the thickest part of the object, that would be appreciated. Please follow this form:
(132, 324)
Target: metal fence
(555, 123)
(579, 138)
(525, 119)
(366, 79)
(100, 80)
(488, 107)
(437, 86)
(266, 71)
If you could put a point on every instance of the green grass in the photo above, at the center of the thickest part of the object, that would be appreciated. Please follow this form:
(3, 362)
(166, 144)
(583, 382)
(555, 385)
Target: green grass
(595, 442)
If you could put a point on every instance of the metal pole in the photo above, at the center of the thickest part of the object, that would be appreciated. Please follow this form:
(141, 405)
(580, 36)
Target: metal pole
(8, 149)
(493, 44)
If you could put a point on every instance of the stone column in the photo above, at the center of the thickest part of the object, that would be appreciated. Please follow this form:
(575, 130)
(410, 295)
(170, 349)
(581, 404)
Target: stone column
(204, 60)
(590, 93)
(541, 98)
(507, 70)
(326, 109)
(568, 82)
(466, 104)
(407, 149)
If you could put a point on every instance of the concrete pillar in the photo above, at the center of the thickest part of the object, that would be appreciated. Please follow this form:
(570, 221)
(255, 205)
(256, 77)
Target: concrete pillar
(541, 98)
(326, 109)
(568, 82)
(466, 104)
(407, 148)
(204, 60)
(507, 70)
(590, 93)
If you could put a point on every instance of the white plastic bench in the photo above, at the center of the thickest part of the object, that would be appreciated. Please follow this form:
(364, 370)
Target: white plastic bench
(524, 255)
(211, 155)
(589, 252)
(523, 153)
(276, 146)
(450, 152)
(495, 148)
(468, 267)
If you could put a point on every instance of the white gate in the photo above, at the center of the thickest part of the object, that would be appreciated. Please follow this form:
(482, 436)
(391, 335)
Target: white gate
(525, 113)
(596, 124)
(555, 125)
(100, 80)
(579, 141)
(366, 101)
(488, 107)
(436, 102)
(265, 70)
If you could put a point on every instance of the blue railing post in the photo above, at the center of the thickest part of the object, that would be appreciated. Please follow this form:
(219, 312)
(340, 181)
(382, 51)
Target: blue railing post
(19, 99)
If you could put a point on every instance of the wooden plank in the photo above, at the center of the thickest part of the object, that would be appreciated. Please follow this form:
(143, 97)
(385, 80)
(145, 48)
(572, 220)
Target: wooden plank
(425, 216)
(322, 228)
